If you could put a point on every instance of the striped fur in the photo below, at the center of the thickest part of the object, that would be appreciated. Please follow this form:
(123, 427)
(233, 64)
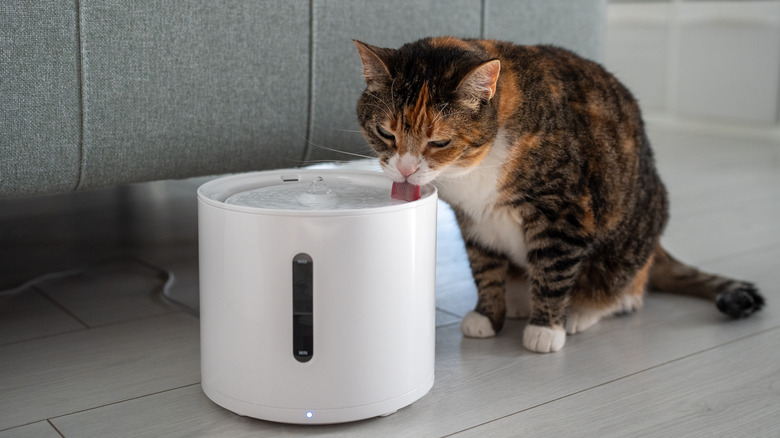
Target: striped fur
(544, 159)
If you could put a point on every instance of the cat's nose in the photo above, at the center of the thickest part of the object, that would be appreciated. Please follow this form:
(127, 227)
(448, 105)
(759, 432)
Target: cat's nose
(406, 171)
(407, 165)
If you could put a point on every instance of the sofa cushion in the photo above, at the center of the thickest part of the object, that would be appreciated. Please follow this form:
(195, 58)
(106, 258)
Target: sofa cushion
(176, 89)
(39, 97)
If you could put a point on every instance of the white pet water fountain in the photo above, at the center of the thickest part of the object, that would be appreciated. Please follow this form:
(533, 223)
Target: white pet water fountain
(316, 295)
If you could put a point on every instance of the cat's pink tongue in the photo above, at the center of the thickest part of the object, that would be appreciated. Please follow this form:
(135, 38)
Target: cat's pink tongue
(405, 191)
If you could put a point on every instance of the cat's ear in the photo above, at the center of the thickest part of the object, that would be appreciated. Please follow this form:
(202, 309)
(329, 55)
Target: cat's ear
(374, 60)
(479, 85)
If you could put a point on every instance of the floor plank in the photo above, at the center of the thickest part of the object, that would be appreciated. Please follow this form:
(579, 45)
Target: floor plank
(30, 315)
(183, 412)
(724, 193)
(731, 390)
(477, 381)
(119, 290)
(63, 374)
(722, 231)
(41, 429)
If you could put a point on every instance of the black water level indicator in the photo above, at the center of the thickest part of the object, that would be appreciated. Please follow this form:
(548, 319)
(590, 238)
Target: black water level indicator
(303, 308)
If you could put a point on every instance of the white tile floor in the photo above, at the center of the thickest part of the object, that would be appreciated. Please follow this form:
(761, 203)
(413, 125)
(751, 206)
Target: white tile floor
(100, 354)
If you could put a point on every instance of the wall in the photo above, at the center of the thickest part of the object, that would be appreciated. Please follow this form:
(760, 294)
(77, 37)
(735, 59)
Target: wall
(716, 62)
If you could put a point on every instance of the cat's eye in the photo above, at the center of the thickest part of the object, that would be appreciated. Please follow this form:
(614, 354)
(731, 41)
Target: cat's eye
(439, 143)
(384, 134)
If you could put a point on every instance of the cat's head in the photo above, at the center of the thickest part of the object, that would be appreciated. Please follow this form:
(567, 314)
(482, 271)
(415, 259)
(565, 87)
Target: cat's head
(428, 107)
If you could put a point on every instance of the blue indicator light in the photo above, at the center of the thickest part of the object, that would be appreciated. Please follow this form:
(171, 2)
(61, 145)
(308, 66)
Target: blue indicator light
(309, 414)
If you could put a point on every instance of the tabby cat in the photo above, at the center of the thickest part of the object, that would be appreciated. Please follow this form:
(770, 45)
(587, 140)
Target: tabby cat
(544, 159)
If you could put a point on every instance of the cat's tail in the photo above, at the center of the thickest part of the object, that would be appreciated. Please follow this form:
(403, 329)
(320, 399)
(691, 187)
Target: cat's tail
(735, 298)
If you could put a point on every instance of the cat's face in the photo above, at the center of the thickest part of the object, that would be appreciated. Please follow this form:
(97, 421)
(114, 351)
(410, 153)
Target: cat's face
(427, 108)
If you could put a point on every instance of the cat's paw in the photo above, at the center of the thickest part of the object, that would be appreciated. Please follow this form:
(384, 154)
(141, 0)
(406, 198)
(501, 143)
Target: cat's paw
(581, 319)
(630, 304)
(543, 339)
(741, 301)
(476, 325)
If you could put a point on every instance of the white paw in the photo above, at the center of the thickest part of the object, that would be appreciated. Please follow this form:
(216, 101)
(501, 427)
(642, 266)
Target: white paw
(518, 298)
(630, 303)
(543, 339)
(475, 325)
(581, 320)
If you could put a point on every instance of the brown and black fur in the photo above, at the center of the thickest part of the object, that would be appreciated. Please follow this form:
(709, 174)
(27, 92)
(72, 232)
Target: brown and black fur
(578, 178)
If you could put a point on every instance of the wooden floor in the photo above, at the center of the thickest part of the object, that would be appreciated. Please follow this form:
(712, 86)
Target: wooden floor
(97, 352)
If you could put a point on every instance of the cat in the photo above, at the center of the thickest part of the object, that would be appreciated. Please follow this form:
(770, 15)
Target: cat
(544, 159)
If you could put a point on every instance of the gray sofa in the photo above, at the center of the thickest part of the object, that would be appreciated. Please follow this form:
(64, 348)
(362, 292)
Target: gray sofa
(100, 93)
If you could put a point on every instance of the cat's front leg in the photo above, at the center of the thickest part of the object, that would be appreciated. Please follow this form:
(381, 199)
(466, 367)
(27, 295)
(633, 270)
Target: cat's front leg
(554, 260)
(489, 270)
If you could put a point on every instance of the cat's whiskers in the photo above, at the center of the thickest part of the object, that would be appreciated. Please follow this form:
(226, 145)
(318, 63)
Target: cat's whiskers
(300, 163)
(348, 130)
(440, 114)
(388, 107)
(436, 118)
(386, 112)
(353, 154)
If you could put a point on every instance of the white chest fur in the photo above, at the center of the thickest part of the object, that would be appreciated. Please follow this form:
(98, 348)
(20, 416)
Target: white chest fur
(475, 193)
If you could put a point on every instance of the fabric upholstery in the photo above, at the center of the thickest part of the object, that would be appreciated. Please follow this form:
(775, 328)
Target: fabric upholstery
(39, 97)
(173, 89)
(570, 24)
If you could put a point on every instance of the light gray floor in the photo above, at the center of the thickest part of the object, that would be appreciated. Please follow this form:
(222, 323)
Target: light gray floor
(98, 353)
